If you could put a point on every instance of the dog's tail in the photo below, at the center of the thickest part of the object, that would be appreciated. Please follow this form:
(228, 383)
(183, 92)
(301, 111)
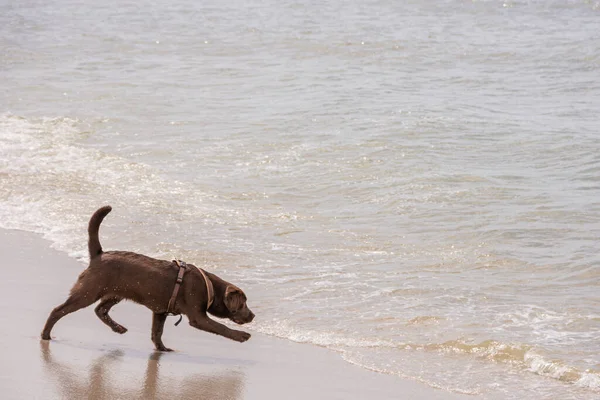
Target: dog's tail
(94, 242)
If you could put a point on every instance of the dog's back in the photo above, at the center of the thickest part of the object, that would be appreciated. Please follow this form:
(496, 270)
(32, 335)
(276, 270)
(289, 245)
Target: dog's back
(133, 277)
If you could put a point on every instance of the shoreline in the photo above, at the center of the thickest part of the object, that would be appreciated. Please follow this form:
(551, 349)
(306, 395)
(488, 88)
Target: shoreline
(88, 360)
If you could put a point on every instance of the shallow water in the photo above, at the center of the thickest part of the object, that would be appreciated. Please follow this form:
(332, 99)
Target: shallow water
(414, 185)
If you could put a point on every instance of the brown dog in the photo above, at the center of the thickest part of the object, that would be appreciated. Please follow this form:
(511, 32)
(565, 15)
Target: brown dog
(116, 275)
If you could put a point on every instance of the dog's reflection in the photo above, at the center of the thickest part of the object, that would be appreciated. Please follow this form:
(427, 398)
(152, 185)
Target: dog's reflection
(96, 383)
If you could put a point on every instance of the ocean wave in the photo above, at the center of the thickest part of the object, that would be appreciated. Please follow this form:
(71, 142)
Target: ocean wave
(332, 340)
(519, 356)
(559, 370)
(52, 184)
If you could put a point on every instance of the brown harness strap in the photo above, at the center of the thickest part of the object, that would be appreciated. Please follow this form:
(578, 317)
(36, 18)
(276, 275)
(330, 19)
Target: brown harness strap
(210, 291)
(182, 267)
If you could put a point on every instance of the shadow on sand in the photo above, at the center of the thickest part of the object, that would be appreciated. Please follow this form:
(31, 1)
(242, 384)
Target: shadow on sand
(75, 382)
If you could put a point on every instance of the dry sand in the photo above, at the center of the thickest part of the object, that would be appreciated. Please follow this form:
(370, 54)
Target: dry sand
(88, 360)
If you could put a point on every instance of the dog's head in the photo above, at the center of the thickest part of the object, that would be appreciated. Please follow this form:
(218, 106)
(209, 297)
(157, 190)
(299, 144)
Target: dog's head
(230, 302)
(235, 302)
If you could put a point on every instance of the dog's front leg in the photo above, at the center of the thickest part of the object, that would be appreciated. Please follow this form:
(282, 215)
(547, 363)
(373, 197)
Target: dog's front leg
(206, 324)
(158, 322)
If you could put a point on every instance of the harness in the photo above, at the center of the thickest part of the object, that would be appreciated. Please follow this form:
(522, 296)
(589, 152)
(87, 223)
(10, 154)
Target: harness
(209, 289)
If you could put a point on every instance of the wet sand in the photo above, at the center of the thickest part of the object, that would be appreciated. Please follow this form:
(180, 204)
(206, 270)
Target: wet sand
(87, 360)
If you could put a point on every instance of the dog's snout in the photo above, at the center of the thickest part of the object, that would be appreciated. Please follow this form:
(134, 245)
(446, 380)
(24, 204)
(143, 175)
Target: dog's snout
(251, 316)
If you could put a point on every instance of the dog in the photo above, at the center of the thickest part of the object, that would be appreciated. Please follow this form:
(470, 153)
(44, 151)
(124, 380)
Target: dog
(116, 275)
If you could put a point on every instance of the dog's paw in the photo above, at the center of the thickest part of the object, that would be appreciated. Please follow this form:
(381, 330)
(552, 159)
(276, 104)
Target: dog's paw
(163, 348)
(241, 337)
(119, 329)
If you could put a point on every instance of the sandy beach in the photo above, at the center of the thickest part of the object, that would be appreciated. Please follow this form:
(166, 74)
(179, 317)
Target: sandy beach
(87, 360)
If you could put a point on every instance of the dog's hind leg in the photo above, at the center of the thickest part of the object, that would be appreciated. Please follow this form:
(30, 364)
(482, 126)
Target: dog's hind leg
(85, 292)
(158, 323)
(75, 302)
(102, 310)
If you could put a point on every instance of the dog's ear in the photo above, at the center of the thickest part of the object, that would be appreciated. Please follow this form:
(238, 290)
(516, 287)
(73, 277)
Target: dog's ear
(234, 298)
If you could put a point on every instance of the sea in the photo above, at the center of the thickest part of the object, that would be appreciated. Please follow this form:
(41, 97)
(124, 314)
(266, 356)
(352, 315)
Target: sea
(414, 185)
